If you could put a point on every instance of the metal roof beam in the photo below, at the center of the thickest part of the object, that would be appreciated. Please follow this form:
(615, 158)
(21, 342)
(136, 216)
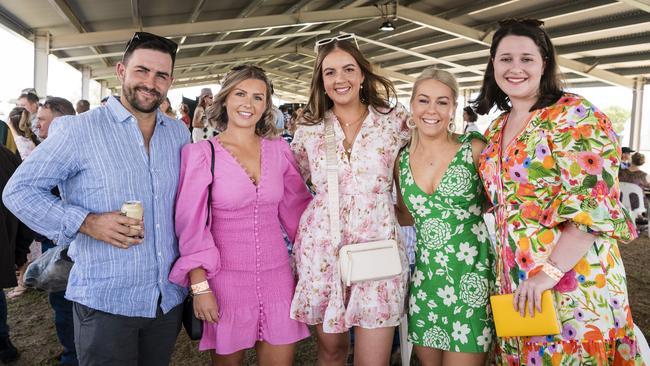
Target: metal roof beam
(216, 26)
(65, 11)
(198, 8)
(10, 21)
(483, 38)
(99, 73)
(135, 14)
(643, 5)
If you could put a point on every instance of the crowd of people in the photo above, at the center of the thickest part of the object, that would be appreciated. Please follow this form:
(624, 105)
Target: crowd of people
(221, 202)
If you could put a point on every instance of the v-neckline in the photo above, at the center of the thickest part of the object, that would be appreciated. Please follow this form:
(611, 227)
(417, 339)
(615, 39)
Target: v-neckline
(444, 174)
(337, 124)
(524, 127)
(242, 167)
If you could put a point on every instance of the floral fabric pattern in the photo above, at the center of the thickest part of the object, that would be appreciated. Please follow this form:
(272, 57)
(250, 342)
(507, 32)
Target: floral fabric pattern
(453, 276)
(366, 214)
(562, 168)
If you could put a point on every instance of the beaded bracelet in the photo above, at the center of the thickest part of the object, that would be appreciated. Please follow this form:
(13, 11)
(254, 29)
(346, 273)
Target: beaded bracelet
(552, 271)
(198, 287)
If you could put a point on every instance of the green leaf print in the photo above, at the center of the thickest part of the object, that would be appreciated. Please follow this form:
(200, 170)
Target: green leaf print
(589, 181)
(608, 178)
(536, 170)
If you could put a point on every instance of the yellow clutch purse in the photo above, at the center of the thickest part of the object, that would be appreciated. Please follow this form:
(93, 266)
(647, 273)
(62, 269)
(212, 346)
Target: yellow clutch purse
(509, 323)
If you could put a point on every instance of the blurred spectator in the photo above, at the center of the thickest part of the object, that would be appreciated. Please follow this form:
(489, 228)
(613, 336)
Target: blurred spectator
(16, 238)
(166, 108)
(103, 101)
(470, 117)
(28, 99)
(20, 126)
(82, 106)
(185, 114)
(52, 108)
(625, 157)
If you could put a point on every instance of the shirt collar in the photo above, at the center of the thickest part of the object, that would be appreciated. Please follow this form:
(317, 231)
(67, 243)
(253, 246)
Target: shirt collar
(122, 114)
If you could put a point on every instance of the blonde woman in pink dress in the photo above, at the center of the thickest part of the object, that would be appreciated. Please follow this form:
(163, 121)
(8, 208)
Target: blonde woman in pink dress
(237, 264)
(369, 134)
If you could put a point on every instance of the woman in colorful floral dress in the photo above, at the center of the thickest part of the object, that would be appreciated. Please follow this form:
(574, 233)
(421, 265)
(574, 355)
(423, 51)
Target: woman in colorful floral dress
(550, 169)
(368, 133)
(440, 189)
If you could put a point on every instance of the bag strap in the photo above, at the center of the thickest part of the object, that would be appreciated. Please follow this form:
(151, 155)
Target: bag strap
(332, 183)
(211, 180)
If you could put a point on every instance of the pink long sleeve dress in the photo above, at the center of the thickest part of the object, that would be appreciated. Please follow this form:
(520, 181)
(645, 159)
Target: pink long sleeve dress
(242, 249)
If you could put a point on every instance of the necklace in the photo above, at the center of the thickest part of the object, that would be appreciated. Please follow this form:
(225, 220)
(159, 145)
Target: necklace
(361, 118)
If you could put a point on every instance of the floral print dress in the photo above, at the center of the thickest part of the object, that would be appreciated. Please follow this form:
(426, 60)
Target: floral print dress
(454, 264)
(562, 168)
(366, 214)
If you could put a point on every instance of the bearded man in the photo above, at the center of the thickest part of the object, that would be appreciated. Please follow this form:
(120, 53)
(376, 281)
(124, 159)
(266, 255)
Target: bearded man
(126, 312)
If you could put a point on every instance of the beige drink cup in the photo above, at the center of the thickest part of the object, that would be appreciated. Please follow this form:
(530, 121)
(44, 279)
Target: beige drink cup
(134, 210)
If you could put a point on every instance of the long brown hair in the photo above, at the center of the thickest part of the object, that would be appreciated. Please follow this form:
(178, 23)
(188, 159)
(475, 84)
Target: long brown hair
(376, 90)
(550, 85)
(20, 120)
(218, 115)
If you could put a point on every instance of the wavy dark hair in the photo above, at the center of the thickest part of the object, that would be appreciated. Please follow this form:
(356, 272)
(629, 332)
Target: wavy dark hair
(376, 90)
(217, 113)
(550, 86)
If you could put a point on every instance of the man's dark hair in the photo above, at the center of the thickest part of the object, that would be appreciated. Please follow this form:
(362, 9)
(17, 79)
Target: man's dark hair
(550, 86)
(83, 105)
(149, 41)
(59, 106)
(31, 97)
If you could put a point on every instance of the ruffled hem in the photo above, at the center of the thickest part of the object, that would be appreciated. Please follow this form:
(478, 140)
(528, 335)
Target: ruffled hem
(617, 351)
(240, 328)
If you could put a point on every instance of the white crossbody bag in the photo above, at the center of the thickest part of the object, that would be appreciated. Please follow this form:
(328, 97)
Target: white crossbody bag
(357, 262)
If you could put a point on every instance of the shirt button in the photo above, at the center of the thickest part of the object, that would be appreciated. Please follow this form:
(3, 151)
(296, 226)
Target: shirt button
(159, 254)
(157, 226)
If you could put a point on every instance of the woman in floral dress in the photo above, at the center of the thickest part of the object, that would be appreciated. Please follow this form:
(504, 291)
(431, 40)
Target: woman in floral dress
(449, 321)
(550, 169)
(368, 133)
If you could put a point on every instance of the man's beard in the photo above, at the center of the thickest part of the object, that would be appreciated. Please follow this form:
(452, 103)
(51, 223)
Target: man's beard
(130, 95)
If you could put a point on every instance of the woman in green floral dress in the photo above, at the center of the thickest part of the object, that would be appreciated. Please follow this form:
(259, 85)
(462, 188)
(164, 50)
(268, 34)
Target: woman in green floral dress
(440, 192)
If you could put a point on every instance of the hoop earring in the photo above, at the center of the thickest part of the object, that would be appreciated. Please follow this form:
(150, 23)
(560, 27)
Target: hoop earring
(451, 128)
(410, 123)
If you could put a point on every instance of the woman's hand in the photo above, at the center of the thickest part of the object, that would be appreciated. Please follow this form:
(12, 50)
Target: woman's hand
(531, 290)
(206, 308)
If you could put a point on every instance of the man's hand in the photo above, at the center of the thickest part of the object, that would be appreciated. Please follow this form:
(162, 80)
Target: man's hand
(113, 228)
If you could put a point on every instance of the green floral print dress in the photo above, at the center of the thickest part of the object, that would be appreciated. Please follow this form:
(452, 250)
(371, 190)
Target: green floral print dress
(453, 276)
(563, 168)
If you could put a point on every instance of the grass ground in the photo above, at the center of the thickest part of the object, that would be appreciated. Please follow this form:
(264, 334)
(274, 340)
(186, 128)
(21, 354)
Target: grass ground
(32, 325)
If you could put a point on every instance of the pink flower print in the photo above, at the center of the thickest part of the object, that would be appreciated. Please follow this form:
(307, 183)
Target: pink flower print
(600, 189)
(510, 258)
(568, 283)
(579, 314)
(525, 260)
(580, 111)
(518, 173)
(592, 163)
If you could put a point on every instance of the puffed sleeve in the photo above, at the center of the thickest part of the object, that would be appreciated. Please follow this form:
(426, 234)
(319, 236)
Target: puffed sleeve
(196, 244)
(296, 196)
(399, 117)
(298, 147)
(587, 154)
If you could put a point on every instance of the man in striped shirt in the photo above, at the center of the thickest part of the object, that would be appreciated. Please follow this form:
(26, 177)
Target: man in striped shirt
(126, 312)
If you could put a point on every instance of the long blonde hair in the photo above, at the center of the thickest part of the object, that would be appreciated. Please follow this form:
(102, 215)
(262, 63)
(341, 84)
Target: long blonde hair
(218, 115)
(433, 73)
(20, 120)
(376, 90)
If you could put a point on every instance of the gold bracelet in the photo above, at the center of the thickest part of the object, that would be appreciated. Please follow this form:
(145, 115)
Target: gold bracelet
(198, 287)
(552, 271)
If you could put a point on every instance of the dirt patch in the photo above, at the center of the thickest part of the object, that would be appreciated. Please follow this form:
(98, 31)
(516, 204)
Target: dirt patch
(32, 324)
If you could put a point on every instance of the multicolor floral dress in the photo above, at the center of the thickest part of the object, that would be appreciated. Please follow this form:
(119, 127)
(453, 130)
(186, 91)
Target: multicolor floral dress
(562, 168)
(366, 214)
(454, 264)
